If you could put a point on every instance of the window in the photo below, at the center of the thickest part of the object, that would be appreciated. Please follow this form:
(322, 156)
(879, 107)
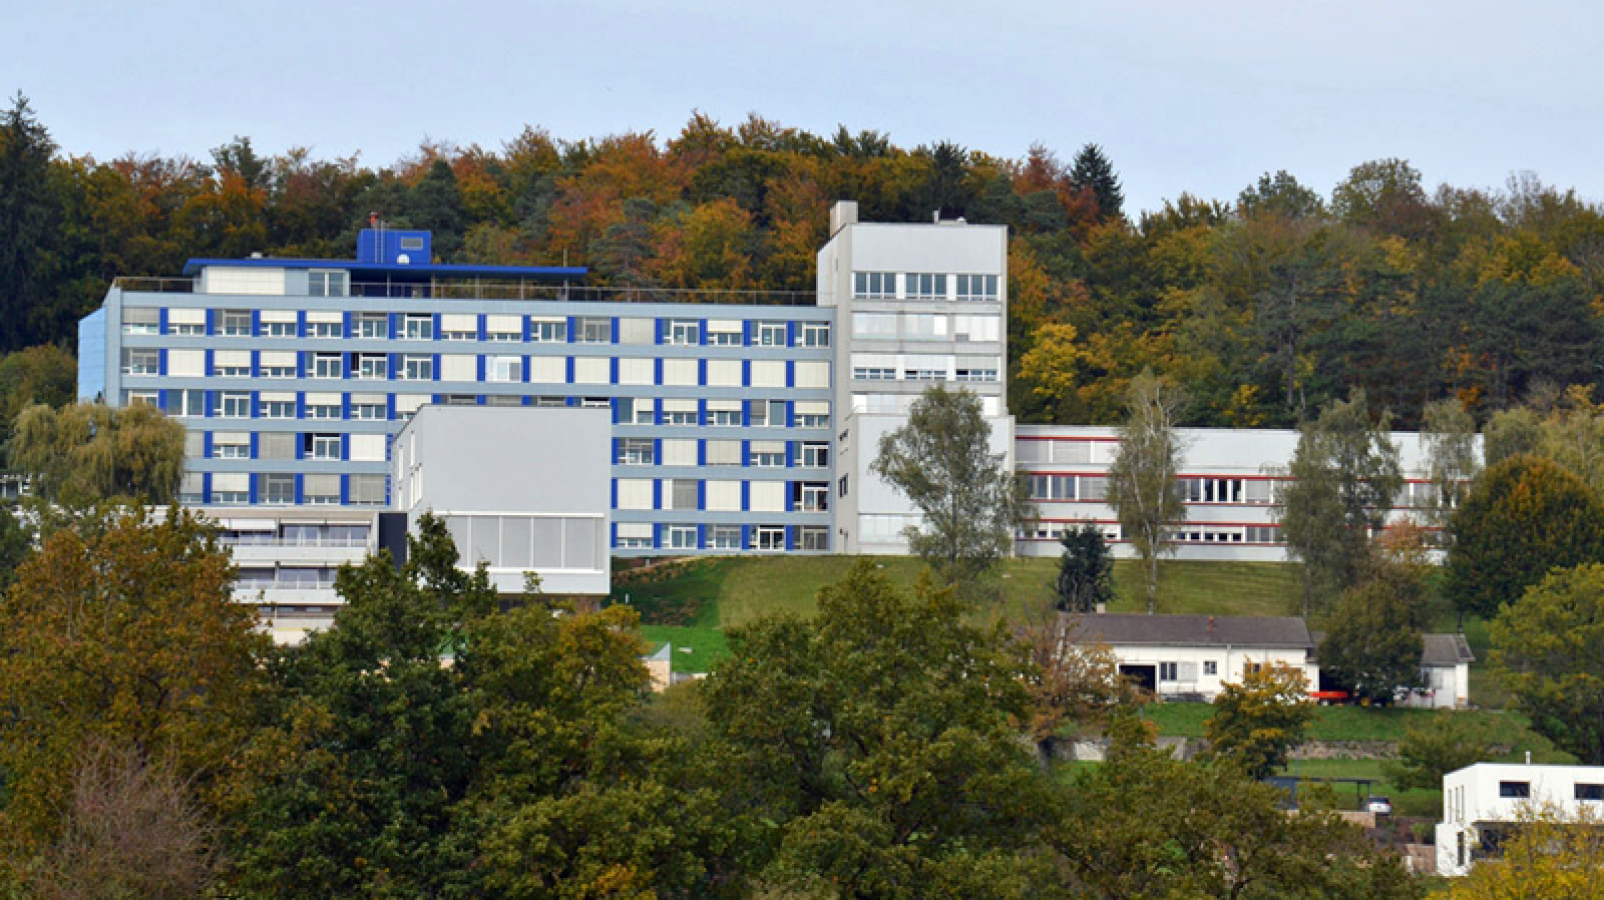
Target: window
(815, 455)
(724, 333)
(372, 366)
(326, 365)
(369, 410)
(977, 374)
(231, 445)
(278, 328)
(185, 403)
(459, 327)
(276, 364)
(813, 537)
(682, 493)
(460, 400)
(769, 334)
(548, 331)
(417, 368)
(681, 537)
(634, 536)
(322, 446)
(635, 411)
(142, 362)
(812, 414)
(323, 408)
(504, 328)
(637, 452)
(684, 332)
(187, 329)
(142, 320)
(275, 445)
(278, 407)
(368, 490)
(234, 323)
(417, 328)
(768, 537)
(371, 326)
(1211, 667)
(234, 406)
(679, 412)
(977, 287)
(724, 413)
(768, 454)
(594, 330)
(810, 496)
(1052, 487)
(926, 286)
(1515, 790)
(323, 329)
(874, 285)
(231, 363)
(767, 413)
(1594, 792)
(724, 537)
(815, 334)
(412, 243)
(1211, 490)
(327, 283)
(275, 488)
(1166, 671)
(504, 368)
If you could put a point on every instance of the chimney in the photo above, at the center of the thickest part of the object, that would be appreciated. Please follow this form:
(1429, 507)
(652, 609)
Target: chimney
(842, 214)
(1211, 625)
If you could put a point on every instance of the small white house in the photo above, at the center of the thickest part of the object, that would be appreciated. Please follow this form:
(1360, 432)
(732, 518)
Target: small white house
(1194, 656)
(1445, 673)
(1481, 803)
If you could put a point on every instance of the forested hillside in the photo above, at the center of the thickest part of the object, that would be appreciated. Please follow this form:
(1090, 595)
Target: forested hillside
(1264, 305)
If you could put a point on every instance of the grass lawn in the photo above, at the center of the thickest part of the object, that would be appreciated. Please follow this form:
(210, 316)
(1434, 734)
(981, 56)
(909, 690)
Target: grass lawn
(1415, 802)
(696, 649)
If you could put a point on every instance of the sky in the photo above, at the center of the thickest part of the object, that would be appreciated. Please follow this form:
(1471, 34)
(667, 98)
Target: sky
(1183, 96)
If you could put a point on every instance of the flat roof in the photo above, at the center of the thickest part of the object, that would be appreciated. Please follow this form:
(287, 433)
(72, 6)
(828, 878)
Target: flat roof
(391, 269)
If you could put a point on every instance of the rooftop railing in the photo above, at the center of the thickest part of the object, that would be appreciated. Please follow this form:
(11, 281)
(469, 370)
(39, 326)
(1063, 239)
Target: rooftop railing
(487, 289)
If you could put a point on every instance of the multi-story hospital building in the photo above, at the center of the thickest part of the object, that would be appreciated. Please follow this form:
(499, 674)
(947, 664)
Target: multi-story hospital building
(740, 422)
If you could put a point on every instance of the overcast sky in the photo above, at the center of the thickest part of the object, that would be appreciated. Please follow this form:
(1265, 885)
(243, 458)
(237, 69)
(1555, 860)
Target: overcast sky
(1183, 95)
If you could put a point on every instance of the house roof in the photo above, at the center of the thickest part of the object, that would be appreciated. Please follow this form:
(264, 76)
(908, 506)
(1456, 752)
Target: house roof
(1194, 631)
(1445, 650)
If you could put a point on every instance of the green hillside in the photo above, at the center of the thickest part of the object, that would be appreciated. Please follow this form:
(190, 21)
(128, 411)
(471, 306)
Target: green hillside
(692, 602)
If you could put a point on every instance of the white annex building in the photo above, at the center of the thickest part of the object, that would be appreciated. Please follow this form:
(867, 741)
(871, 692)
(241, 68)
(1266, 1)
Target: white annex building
(1483, 803)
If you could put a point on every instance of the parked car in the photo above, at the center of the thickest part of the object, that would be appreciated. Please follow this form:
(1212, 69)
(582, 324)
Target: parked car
(1381, 806)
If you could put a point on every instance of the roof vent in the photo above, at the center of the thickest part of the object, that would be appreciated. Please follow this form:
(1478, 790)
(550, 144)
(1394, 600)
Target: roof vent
(403, 259)
(256, 254)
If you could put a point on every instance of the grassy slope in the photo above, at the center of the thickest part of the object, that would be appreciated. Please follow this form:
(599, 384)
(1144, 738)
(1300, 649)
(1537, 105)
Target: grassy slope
(690, 604)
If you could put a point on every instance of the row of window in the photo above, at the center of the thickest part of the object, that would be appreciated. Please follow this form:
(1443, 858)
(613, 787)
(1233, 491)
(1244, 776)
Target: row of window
(926, 327)
(286, 445)
(715, 495)
(1522, 790)
(1188, 534)
(282, 488)
(647, 536)
(923, 367)
(464, 367)
(1193, 490)
(196, 403)
(924, 286)
(474, 327)
(761, 454)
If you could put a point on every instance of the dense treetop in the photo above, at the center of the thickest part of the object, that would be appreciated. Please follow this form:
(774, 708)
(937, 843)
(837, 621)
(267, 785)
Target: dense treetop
(1264, 306)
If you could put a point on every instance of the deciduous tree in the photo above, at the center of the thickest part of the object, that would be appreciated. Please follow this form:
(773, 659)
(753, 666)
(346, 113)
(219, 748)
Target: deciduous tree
(1523, 518)
(1546, 648)
(1373, 639)
(1258, 720)
(1436, 746)
(1342, 481)
(1142, 486)
(877, 744)
(127, 636)
(89, 452)
(942, 461)
(1448, 439)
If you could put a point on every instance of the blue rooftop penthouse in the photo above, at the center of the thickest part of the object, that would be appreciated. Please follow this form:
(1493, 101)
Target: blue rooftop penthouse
(293, 377)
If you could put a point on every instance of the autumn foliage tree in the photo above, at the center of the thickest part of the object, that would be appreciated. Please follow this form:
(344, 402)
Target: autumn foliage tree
(126, 638)
(1258, 720)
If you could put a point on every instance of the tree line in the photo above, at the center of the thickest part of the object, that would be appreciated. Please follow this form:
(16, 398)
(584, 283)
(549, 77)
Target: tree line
(1266, 306)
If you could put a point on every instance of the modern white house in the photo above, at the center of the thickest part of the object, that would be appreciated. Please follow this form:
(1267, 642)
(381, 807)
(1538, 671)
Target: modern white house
(1193, 657)
(1484, 803)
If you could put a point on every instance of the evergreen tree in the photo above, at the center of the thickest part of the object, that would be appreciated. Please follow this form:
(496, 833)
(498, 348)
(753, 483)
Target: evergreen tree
(1093, 172)
(1085, 570)
(28, 215)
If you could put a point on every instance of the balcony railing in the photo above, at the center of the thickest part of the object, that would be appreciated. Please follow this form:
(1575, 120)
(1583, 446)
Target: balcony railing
(510, 290)
(267, 540)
